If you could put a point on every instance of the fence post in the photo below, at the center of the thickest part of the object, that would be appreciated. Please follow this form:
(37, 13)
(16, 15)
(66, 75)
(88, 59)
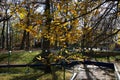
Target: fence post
(64, 73)
(63, 64)
(9, 53)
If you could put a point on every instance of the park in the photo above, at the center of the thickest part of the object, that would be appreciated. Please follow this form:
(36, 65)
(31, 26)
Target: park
(59, 40)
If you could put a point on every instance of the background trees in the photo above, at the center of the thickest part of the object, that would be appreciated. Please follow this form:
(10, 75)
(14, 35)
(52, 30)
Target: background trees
(4, 19)
(61, 23)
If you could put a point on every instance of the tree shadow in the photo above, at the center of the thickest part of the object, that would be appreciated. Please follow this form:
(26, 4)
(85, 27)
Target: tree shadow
(107, 71)
(4, 56)
(12, 57)
(28, 77)
(89, 74)
(36, 61)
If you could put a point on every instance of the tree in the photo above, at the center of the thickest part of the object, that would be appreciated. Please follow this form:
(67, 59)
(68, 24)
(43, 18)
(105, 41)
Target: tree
(101, 26)
(4, 18)
(28, 20)
(64, 23)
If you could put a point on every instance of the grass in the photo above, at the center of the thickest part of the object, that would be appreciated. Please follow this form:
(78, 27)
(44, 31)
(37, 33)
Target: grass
(25, 73)
(34, 76)
(106, 59)
(21, 57)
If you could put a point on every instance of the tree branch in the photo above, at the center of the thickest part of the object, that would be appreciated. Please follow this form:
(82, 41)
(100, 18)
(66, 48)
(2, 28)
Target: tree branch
(5, 18)
(84, 13)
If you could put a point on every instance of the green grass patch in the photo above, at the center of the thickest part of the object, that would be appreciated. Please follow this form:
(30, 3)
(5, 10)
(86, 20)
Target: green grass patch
(18, 57)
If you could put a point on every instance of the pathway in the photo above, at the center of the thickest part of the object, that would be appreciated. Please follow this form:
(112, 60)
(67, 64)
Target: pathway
(92, 72)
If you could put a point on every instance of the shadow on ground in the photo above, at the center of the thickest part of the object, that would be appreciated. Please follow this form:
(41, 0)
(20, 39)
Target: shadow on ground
(28, 77)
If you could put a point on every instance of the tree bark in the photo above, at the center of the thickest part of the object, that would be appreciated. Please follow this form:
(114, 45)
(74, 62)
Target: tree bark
(7, 30)
(23, 40)
(27, 41)
(28, 24)
(3, 35)
(46, 42)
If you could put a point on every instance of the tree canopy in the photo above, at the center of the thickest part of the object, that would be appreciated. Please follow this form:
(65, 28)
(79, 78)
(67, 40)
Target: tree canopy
(89, 22)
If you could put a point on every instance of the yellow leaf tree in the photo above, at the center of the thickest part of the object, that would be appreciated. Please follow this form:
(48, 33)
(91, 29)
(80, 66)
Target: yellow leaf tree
(28, 20)
(65, 22)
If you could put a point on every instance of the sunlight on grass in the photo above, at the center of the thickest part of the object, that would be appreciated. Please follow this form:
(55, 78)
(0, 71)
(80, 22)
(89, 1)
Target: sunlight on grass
(22, 57)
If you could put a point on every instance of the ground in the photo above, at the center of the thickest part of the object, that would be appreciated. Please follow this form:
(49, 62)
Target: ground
(87, 72)
(92, 72)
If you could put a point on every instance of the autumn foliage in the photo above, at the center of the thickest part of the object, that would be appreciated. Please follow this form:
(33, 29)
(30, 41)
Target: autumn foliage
(65, 23)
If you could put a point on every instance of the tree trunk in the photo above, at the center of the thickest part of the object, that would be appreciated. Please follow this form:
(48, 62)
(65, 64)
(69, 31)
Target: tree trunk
(7, 36)
(45, 53)
(3, 35)
(28, 24)
(23, 40)
(46, 42)
(27, 41)
(11, 38)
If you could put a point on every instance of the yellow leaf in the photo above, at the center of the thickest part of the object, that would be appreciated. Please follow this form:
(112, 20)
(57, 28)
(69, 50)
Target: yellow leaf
(65, 24)
(28, 30)
(96, 12)
(39, 58)
(33, 32)
(58, 6)
(22, 15)
(38, 21)
(30, 27)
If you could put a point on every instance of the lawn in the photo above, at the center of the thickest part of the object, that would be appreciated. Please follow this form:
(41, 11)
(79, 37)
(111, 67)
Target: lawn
(18, 57)
(25, 73)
